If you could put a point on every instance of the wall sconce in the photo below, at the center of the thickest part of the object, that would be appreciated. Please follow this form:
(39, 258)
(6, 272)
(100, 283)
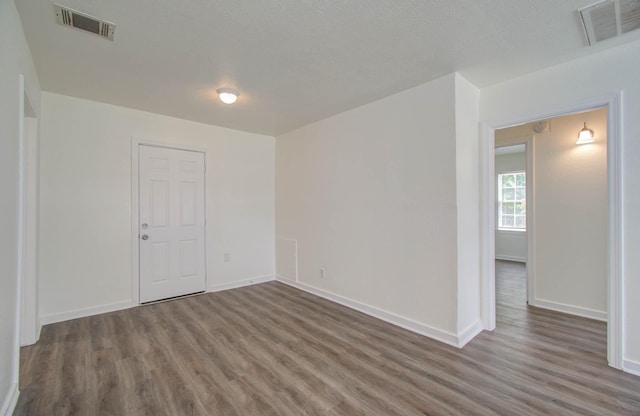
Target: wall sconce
(585, 136)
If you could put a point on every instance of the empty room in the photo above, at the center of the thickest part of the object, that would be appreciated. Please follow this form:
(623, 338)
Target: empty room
(319, 208)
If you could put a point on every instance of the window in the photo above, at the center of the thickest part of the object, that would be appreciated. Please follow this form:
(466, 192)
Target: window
(512, 201)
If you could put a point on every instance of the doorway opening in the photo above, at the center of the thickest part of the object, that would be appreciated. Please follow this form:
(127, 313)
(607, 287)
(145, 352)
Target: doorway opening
(597, 300)
(514, 207)
(28, 223)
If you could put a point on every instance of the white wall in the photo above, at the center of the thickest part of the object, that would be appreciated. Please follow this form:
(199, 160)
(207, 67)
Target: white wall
(468, 208)
(85, 229)
(15, 59)
(570, 84)
(571, 216)
(510, 245)
(370, 196)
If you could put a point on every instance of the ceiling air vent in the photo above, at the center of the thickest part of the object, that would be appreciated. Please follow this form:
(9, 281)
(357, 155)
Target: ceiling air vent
(72, 18)
(610, 18)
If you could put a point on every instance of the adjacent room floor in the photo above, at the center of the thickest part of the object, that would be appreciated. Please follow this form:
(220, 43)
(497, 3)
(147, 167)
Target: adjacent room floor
(273, 350)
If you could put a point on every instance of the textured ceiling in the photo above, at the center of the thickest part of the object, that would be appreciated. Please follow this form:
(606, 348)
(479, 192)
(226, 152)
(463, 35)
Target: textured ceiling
(293, 61)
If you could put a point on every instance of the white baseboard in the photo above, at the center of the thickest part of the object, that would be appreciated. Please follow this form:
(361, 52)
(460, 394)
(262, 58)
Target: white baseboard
(240, 283)
(511, 258)
(570, 309)
(10, 400)
(469, 333)
(81, 313)
(36, 336)
(631, 367)
(406, 323)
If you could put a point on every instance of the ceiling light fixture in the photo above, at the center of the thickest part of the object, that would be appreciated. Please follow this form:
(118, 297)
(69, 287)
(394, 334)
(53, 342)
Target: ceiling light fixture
(228, 95)
(585, 136)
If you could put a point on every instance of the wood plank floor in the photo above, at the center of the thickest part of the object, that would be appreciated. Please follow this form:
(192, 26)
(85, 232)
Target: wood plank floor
(273, 350)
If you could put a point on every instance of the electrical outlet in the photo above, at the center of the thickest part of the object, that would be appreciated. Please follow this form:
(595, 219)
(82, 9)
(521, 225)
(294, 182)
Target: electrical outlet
(321, 273)
(227, 257)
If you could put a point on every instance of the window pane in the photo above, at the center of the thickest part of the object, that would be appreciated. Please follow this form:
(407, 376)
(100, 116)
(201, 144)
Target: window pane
(520, 221)
(507, 221)
(508, 181)
(520, 179)
(521, 194)
(521, 208)
(508, 194)
(508, 208)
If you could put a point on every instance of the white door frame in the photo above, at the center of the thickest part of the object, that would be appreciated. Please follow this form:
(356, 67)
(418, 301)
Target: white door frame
(528, 142)
(615, 289)
(136, 142)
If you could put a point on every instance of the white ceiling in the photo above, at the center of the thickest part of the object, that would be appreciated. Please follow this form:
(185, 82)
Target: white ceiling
(293, 61)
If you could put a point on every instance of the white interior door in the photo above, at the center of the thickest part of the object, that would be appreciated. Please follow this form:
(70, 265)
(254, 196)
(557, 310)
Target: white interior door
(172, 222)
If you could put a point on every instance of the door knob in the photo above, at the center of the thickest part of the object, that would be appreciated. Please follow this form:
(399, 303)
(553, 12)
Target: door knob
(144, 237)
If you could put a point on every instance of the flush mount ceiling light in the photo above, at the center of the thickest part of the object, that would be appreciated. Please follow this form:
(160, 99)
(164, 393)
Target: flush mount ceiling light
(585, 136)
(228, 95)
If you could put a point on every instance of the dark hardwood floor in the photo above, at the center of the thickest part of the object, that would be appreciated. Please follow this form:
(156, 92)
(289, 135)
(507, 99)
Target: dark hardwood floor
(273, 350)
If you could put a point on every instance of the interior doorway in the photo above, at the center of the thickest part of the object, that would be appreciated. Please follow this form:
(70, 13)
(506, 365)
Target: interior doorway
(566, 269)
(608, 243)
(28, 225)
(514, 201)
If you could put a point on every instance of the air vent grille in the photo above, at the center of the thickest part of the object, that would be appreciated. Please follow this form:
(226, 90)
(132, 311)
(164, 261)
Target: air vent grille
(72, 18)
(610, 18)
(630, 15)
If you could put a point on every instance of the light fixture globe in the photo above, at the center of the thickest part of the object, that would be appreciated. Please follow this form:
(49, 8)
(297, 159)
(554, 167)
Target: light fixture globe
(585, 136)
(227, 95)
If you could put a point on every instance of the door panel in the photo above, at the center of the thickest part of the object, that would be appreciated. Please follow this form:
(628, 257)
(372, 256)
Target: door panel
(159, 203)
(159, 262)
(189, 201)
(188, 258)
(172, 222)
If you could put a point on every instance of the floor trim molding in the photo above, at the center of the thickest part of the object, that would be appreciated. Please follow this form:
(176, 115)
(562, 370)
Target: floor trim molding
(469, 333)
(240, 283)
(570, 309)
(10, 400)
(411, 325)
(81, 313)
(631, 367)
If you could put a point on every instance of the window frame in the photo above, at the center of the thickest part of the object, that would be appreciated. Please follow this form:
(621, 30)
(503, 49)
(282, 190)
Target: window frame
(515, 200)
